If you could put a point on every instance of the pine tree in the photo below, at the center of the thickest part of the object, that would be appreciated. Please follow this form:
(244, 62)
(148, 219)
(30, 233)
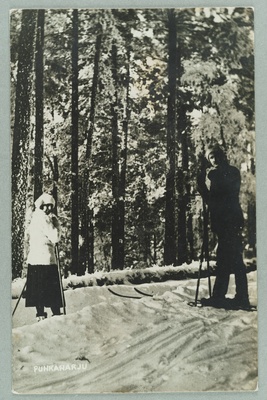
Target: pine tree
(74, 146)
(87, 225)
(169, 246)
(21, 135)
(39, 113)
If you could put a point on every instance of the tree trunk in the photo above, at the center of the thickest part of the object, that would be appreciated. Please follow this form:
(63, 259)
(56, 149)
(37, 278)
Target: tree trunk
(252, 216)
(115, 239)
(169, 246)
(55, 181)
(20, 150)
(39, 116)
(87, 226)
(122, 180)
(221, 126)
(252, 226)
(182, 189)
(53, 162)
(74, 151)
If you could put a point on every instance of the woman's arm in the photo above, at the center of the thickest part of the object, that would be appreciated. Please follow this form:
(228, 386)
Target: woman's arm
(52, 228)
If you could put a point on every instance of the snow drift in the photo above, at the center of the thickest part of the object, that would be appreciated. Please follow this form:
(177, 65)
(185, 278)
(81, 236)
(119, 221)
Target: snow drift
(107, 344)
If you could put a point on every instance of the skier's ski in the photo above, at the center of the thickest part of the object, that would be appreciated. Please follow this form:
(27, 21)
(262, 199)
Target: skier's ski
(143, 293)
(124, 295)
(227, 305)
(239, 308)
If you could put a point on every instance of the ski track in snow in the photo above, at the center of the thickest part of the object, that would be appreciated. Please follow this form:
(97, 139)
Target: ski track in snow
(158, 344)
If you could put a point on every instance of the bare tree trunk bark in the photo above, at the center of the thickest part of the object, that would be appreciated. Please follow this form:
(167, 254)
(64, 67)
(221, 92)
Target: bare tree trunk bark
(87, 226)
(182, 252)
(122, 178)
(169, 246)
(74, 151)
(115, 239)
(20, 149)
(39, 116)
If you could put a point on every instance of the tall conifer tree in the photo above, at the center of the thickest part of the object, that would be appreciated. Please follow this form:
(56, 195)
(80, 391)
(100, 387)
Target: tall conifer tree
(20, 149)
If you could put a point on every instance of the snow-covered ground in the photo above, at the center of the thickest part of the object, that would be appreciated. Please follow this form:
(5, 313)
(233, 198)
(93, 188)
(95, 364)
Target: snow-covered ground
(111, 344)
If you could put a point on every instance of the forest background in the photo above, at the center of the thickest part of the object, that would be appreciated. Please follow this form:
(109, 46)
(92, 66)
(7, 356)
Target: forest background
(111, 111)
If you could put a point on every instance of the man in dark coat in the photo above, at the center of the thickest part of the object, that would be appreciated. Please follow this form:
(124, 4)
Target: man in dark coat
(220, 187)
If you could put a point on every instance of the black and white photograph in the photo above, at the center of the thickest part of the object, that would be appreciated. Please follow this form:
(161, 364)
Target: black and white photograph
(133, 188)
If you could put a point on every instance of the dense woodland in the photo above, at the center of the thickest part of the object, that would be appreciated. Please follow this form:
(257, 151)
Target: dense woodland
(111, 110)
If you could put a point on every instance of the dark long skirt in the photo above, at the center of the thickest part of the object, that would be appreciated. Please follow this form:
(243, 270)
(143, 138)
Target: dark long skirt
(43, 286)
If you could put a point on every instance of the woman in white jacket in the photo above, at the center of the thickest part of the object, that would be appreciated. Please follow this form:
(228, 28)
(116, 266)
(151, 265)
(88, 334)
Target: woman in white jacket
(43, 286)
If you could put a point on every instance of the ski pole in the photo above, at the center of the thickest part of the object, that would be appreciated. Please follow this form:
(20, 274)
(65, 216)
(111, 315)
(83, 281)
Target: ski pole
(60, 282)
(199, 271)
(204, 252)
(206, 248)
(19, 298)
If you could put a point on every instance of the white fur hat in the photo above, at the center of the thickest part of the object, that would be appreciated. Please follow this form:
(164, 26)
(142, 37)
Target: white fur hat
(45, 198)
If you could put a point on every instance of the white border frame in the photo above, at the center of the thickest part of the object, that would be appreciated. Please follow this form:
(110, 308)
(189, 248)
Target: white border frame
(260, 8)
